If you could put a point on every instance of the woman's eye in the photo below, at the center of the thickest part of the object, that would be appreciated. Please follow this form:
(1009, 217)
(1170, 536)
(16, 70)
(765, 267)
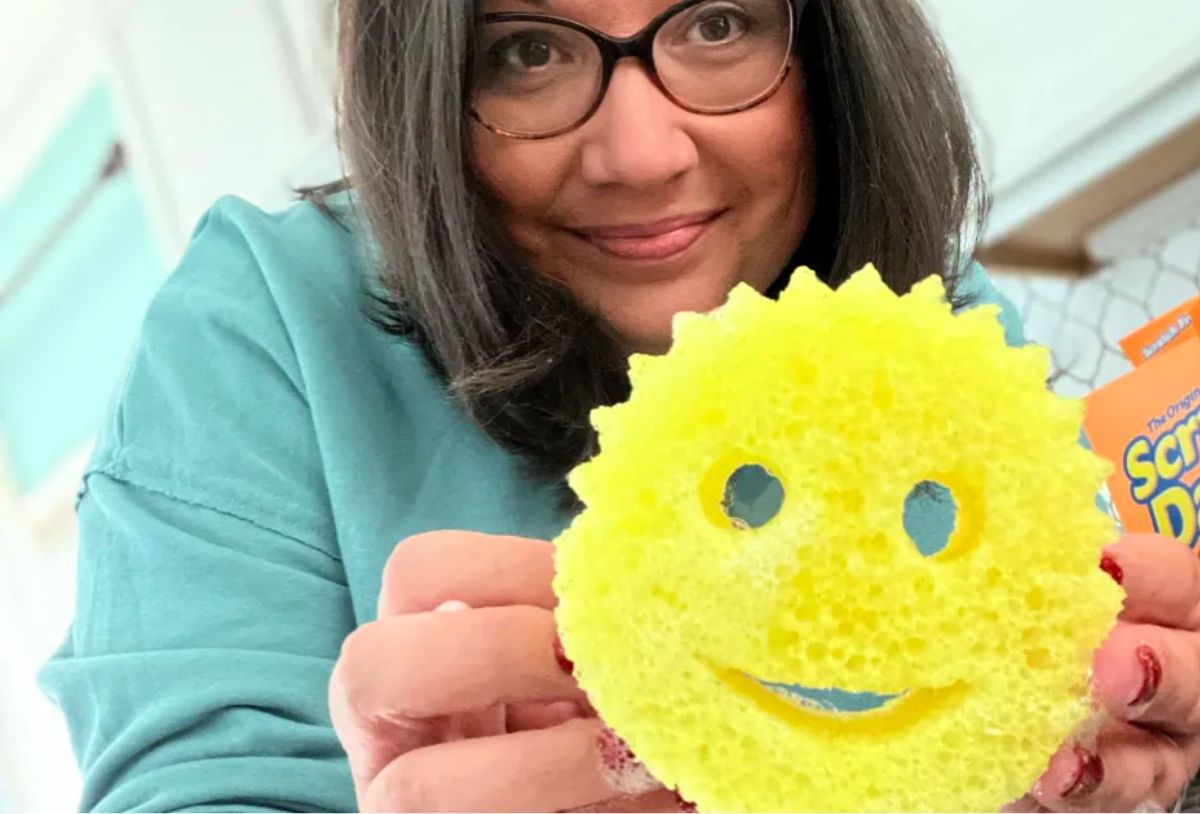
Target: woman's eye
(719, 27)
(522, 54)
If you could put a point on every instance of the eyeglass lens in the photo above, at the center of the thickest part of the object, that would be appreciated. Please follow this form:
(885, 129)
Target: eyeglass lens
(540, 76)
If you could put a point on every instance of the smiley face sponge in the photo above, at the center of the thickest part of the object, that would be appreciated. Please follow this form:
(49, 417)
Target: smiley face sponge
(816, 658)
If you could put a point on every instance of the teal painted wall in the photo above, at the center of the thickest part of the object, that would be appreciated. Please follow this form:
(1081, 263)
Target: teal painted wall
(66, 336)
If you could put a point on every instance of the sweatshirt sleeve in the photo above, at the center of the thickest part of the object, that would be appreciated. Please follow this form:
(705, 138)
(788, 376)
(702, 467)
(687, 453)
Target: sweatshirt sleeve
(979, 290)
(211, 597)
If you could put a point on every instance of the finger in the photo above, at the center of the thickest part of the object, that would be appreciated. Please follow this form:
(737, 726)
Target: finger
(490, 721)
(1026, 805)
(1161, 578)
(523, 717)
(565, 767)
(426, 665)
(482, 570)
(403, 682)
(1190, 746)
(661, 800)
(1128, 768)
(1151, 675)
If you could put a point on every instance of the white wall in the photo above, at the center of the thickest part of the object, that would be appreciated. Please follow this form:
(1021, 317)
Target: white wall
(221, 96)
(37, 769)
(1064, 90)
(49, 58)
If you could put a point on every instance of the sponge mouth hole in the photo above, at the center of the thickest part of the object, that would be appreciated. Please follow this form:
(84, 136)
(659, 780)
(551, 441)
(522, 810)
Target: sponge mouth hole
(753, 496)
(931, 517)
(831, 699)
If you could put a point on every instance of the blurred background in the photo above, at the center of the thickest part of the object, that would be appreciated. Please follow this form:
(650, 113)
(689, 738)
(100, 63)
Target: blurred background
(122, 120)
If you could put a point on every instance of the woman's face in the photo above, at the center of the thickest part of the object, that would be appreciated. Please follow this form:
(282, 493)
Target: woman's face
(647, 209)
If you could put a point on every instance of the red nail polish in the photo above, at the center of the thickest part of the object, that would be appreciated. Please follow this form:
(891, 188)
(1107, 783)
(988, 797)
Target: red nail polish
(686, 806)
(1109, 566)
(1151, 675)
(560, 656)
(1087, 777)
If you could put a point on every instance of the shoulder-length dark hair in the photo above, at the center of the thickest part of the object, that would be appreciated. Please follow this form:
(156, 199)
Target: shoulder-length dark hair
(898, 184)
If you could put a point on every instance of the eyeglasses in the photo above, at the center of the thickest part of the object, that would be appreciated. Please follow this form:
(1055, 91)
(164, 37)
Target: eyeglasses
(537, 76)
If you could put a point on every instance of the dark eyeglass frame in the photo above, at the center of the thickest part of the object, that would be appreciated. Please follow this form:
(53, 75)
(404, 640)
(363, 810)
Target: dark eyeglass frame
(639, 46)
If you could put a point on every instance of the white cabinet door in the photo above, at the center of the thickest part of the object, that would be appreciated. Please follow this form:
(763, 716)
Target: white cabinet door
(219, 97)
(1065, 91)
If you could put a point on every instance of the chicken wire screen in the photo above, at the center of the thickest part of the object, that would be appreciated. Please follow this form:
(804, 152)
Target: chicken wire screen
(1081, 319)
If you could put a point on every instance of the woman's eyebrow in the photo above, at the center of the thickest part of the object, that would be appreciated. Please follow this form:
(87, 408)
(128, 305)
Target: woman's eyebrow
(549, 7)
(508, 6)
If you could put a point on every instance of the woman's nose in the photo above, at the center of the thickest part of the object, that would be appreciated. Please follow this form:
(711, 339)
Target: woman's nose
(635, 139)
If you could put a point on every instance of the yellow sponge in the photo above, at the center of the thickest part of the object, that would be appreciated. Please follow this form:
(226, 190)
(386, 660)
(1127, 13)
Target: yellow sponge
(729, 651)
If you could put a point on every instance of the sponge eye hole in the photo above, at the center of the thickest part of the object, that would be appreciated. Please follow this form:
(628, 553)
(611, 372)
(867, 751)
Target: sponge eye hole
(930, 517)
(753, 497)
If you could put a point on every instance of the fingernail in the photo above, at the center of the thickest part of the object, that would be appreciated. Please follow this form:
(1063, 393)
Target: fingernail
(560, 656)
(1109, 566)
(1151, 675)
(624, 772)
(1088, 775)
(685, 806)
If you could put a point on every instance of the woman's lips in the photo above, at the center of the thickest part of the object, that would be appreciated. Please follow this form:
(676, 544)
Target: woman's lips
(655, 241)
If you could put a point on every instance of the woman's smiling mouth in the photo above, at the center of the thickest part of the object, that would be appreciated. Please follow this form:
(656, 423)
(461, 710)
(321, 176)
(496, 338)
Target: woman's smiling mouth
(660, 240)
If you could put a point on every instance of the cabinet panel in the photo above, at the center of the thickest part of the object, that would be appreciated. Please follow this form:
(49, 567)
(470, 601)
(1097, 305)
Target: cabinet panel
(217, 90)
(78, 264)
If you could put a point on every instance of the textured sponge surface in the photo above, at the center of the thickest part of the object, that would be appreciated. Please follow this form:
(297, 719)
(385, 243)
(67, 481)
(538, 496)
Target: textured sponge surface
(702, 639)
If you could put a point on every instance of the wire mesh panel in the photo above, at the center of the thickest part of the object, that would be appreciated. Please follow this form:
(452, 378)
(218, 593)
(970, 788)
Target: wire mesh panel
(1081, 319)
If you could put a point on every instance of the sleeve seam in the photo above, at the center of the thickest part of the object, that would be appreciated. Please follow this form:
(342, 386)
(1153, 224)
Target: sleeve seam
(112, 470)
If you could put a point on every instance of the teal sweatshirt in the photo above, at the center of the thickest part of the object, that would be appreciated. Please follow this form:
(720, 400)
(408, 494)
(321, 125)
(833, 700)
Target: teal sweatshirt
(266, 450)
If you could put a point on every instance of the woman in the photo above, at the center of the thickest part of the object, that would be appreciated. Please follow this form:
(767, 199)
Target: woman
(532, 199)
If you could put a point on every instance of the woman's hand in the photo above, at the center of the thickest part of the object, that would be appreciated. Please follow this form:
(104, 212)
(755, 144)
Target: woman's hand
(459, 697)
(1147, 682)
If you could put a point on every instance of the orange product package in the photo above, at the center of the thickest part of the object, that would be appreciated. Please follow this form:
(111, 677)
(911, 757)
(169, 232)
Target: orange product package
(1178, 325)
(1147, 423)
